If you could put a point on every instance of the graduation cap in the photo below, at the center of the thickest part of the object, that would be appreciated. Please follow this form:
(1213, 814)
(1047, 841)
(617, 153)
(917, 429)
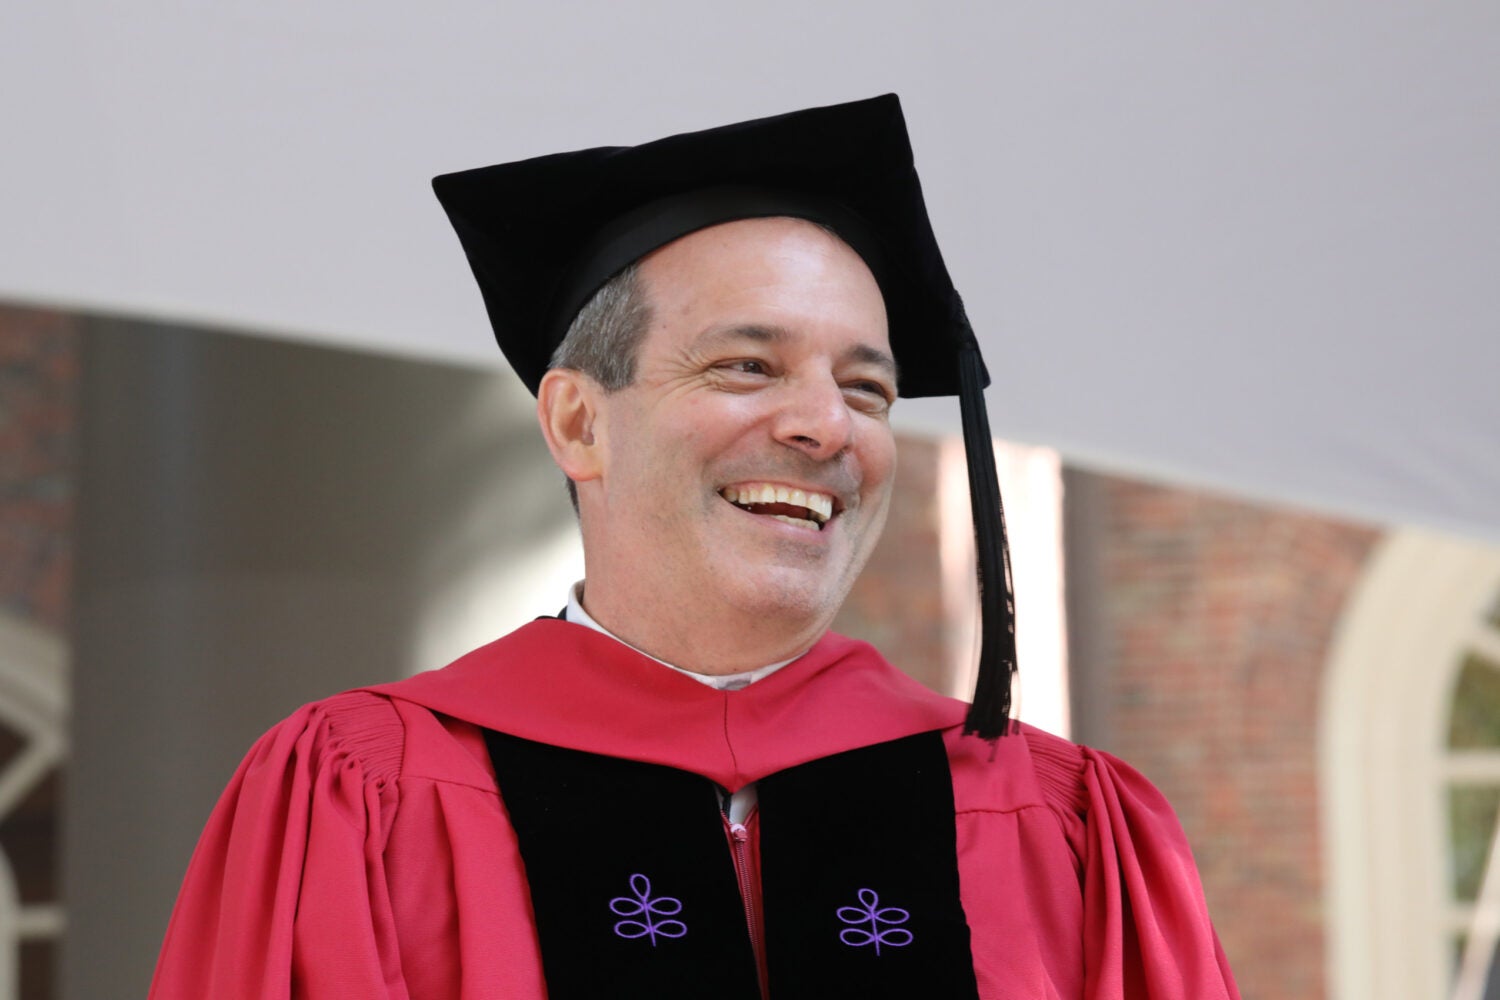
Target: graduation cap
(544, 234)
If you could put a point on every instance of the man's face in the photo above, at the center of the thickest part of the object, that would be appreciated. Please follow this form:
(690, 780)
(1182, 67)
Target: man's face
(748, 467)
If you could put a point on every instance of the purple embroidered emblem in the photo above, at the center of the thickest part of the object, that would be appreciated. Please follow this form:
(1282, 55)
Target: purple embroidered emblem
(874, 915)
(648, 910)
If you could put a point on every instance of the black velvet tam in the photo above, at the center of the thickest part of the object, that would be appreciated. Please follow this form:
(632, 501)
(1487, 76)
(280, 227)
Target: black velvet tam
(542, 235)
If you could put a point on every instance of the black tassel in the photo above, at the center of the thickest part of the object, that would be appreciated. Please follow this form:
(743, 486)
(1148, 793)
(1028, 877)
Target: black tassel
(989, 715)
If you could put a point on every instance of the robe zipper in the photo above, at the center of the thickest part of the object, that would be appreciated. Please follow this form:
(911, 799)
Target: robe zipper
(739, 838)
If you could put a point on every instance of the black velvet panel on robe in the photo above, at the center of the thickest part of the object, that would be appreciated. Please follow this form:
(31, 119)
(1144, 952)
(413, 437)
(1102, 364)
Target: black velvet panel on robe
(632, 881)
(635, 893)
(859, 876)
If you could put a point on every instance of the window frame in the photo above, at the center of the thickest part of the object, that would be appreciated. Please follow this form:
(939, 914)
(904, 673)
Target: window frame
(1383, 762)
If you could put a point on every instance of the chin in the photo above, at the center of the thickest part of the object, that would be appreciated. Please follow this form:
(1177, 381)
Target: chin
(788, 598)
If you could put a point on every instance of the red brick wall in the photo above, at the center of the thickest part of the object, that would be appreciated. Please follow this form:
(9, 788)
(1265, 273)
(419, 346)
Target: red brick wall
(38, 404)
(38, 380)
(1216, 618)
(897, 603)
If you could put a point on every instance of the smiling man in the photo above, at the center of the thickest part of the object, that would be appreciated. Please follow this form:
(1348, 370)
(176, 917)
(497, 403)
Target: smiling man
(745, 471)
(686, 786)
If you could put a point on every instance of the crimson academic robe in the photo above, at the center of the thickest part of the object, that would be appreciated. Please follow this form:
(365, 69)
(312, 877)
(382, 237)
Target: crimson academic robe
(362, 850)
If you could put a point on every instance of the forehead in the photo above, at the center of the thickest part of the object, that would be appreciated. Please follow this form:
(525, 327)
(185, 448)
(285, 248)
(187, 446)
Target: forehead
(764, 271)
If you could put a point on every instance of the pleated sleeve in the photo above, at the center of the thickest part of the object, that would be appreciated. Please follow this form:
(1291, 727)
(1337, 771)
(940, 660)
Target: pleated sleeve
(286, 893)
(1146, 928)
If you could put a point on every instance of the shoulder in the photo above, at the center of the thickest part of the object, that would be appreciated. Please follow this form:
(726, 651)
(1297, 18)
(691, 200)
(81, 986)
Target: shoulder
(388, 739)
(1033, 769)
(1028, 768)
(356, 729)
(1061, 768)
(368, 727)
(1090, 792)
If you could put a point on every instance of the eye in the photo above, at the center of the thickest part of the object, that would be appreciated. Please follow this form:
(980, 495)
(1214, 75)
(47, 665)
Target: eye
(869, 395)
(744, 370)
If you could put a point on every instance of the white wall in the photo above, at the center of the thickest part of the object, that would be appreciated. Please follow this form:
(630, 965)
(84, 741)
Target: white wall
(1244, 245)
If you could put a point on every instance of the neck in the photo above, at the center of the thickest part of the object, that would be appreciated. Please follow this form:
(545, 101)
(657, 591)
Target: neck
(701, 642)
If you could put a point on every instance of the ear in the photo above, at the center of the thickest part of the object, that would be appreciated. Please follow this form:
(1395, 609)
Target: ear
(566, 407)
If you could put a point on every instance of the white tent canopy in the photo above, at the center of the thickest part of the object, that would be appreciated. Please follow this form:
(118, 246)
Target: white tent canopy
(1252, 246)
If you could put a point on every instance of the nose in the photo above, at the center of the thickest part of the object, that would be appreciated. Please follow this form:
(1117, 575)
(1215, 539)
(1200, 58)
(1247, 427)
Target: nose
(814, 418)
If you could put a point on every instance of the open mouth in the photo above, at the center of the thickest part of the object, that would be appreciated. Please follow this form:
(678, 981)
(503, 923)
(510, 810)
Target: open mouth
(800, 508)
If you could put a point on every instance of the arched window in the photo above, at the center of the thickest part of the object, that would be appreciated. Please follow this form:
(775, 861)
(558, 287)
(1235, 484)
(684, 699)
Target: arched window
(1410, 775)
(1471, 769)
(33, 747)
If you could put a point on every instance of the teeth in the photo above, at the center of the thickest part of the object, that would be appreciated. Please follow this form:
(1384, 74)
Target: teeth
(796, 522)
(820, 504)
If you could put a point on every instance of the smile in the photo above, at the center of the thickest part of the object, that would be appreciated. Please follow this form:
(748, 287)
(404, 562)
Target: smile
(797, 507)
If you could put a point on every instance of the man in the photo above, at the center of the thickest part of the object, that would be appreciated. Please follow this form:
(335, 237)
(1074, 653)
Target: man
(688, 787)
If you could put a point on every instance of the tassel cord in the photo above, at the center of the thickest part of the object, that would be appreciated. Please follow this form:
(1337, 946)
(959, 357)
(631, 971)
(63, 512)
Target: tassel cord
(989, 715)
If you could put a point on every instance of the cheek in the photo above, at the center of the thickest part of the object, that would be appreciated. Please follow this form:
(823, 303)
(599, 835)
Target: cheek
(878, 458)
(711, 426)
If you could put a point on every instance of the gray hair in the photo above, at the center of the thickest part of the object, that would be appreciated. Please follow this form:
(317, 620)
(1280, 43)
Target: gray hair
(605, 336)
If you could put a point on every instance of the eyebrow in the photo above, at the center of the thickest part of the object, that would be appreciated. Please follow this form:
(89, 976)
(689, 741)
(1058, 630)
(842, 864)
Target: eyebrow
(764, 334)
